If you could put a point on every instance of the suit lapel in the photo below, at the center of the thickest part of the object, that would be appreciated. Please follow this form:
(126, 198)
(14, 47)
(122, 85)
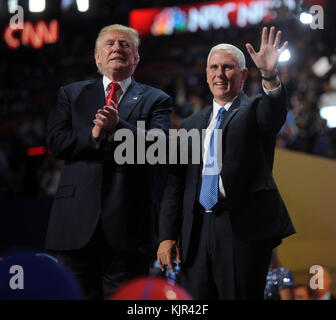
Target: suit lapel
(90, 100)
(130, 99)
(93, 97)
(232, 111)
(203, 119)
(200, 123)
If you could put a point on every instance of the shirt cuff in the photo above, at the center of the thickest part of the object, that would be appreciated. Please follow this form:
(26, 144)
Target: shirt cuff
(95, 143)
(274, 93)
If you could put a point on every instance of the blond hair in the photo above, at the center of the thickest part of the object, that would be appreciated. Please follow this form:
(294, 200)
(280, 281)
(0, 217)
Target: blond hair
(132, 33)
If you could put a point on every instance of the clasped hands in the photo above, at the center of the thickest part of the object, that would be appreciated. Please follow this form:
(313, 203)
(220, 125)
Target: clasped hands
(106, 118)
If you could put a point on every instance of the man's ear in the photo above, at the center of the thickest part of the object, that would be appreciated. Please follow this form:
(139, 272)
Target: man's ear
(244, 77)
(245, 73)
(96, 55)
(206, 75)
(137, 59)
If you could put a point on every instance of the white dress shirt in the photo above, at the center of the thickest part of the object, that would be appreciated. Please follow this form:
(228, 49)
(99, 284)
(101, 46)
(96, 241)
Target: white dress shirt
(124, 84)
(213, 120)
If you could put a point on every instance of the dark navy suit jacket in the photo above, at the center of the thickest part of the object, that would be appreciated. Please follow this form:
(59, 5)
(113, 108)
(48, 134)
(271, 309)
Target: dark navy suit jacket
(92, 184)
(257, 211)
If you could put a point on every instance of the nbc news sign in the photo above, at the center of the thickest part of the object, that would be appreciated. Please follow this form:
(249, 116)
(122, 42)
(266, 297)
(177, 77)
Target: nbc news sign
(203, 16)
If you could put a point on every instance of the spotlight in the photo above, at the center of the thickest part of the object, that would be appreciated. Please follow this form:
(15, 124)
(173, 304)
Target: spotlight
(82, 5)
(36, 5)
(321, 67)
(12, 5)
(329, 113)
(284, 56)
(306, 18)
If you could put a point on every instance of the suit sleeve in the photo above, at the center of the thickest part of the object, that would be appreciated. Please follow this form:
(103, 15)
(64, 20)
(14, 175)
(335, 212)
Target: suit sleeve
(172, 203)
(66, 142)
(271, 111)
(170, 217)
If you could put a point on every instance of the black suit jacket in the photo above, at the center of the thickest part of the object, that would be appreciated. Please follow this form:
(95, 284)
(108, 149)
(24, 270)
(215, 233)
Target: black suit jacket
(92, 184)
(257, 211)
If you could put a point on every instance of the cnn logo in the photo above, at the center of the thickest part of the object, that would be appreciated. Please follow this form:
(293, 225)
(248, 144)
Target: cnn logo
(28, 34)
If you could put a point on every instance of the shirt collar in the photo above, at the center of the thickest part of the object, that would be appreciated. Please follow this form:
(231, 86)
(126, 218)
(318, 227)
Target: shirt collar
(124, 84)
(216, 106)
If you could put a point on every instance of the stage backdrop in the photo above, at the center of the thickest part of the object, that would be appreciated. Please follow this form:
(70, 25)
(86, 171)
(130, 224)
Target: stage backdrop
(308, 186)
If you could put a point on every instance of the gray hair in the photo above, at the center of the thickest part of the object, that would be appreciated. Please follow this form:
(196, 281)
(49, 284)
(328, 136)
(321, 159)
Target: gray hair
(232, 49)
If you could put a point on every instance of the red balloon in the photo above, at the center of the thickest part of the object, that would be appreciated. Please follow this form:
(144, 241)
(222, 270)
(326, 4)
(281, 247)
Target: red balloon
(150, 288)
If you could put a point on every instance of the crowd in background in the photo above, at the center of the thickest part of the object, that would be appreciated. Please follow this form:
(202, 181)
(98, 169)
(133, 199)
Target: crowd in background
(176, 64)
(282, 285)
(30, 79)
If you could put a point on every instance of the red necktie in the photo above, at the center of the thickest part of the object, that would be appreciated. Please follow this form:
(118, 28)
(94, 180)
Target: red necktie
(114, 87)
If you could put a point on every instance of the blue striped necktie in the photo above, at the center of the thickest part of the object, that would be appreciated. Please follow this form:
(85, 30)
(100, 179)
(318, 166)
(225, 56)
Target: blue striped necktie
(210, 179)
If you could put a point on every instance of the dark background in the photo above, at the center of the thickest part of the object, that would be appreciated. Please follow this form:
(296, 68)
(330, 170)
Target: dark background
(29, 82)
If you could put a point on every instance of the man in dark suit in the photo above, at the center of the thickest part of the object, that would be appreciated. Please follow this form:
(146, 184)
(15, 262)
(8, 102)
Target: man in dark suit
(101, 221)
(221, 218)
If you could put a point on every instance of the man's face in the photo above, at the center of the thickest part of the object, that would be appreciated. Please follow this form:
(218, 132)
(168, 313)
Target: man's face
(116, 55)
(301, 293)
(224, 76)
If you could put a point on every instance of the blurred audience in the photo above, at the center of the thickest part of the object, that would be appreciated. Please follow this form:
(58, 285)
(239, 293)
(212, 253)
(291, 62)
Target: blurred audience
(279, 280)
(29, 83)
(323, 292)
(302, 292)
